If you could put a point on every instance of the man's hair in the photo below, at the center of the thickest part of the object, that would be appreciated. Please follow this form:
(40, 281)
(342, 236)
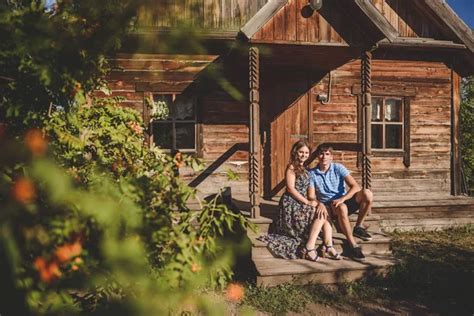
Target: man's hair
(324, 147)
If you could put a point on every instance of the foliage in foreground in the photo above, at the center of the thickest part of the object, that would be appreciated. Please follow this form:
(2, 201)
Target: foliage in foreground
(92, 221)
(107, 229)
(436, 270)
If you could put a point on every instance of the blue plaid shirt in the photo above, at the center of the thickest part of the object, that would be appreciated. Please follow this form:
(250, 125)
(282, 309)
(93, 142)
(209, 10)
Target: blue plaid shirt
(329, 185)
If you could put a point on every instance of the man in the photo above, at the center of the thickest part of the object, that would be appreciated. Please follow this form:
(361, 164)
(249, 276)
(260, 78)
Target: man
(328, 181)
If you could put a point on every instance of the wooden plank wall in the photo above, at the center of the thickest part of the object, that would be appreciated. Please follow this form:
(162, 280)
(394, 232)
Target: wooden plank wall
(409, 19)
(336, 122)
(131, 75)
(289, 25)
(429, 173)
(222, 128)
(205, 14)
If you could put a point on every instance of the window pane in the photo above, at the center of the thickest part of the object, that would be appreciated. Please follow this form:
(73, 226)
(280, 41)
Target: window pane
(377, 136)
(393, 136)
(163, 135)
(161, 108)
(185, 135)
(377, 105)
(184, 109)
(393, 110)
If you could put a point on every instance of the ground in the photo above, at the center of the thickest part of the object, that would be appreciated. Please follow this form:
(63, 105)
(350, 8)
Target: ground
(435, 277)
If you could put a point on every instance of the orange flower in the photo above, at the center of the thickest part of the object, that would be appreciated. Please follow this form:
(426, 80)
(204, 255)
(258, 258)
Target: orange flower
(48, 271)
(74, 268)
(36, 143)
(234, 292)
(195, 267)
(66, 252)
(78, 260)
(23, 191)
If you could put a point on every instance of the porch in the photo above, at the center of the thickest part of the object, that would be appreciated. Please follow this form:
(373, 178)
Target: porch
(420, 213)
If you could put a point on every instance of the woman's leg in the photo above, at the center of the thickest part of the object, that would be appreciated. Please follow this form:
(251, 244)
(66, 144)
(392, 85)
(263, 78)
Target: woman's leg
(327, 233)
(314, 232)
(328, 249)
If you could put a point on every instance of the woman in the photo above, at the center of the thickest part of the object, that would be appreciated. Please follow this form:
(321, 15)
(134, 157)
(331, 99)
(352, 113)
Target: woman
(300, 220)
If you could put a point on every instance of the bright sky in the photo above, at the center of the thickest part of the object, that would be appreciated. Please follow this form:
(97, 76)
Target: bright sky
(464, 9)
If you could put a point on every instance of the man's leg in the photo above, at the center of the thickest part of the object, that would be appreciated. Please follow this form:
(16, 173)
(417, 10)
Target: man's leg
(365, 199)
(344, 223)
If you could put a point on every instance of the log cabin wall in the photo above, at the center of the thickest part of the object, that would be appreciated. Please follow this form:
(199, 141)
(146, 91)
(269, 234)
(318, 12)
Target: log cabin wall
(222, 121)
(430, 121)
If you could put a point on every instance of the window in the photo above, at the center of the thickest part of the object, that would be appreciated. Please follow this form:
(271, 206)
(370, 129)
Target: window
(387, 123)
(174, 122)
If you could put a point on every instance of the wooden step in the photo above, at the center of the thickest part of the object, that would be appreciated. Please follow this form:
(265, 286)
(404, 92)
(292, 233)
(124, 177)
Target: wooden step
(380, 244)
(263, 223)
(274, 271)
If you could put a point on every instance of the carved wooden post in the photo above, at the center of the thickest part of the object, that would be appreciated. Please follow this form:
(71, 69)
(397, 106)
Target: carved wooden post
(254, 130)
(366, 88)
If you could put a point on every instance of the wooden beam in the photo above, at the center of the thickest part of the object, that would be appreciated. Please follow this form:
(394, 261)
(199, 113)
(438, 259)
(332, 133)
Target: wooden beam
(377, 19)
(421, 42)
(262, 17)
(366, 101)
(455, 134)
(387, 90)
(406, 132)
(254, 132)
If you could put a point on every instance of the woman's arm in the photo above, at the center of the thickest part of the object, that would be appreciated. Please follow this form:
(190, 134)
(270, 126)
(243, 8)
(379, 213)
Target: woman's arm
(290, 178)
(321, 211)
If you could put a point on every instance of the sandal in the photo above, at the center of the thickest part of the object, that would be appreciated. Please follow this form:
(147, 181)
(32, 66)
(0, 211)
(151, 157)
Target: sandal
(305, 254)
(330, 252)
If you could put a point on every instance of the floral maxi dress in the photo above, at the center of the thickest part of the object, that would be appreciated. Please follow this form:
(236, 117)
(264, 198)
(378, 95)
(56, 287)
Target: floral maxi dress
(292, 225)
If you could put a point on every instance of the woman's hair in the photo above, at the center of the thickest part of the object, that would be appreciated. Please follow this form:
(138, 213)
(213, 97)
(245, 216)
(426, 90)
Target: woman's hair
(294, 161)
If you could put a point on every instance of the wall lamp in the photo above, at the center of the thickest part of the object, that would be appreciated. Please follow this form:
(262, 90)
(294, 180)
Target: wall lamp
(315, 4)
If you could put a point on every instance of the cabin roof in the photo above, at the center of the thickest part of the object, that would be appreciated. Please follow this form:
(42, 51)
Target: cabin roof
(439, 7)
(456, 35)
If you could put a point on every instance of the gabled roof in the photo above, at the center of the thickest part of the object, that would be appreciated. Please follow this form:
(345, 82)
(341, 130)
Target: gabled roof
(452, 21)
(442, 10)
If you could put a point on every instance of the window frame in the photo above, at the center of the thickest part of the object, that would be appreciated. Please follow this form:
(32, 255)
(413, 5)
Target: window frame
(384, 124)
(173, 122)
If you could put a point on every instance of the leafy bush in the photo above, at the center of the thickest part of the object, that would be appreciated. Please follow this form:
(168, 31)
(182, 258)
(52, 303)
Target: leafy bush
(467, 131)
(92, 221)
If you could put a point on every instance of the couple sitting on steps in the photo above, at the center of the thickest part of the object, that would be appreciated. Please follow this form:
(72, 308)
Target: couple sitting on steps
(313, 199)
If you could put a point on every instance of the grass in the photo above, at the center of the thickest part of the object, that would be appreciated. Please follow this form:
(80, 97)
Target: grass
(436, 270)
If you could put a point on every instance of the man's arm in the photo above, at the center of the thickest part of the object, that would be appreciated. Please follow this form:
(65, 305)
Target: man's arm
(353, 189)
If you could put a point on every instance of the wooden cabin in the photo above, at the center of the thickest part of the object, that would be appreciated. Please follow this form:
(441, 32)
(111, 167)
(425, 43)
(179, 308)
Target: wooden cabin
(377, 79)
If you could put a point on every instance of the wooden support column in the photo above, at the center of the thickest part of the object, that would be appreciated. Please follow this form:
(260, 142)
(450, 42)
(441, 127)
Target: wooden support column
(366, 89)
(456, 187)
(254, 132)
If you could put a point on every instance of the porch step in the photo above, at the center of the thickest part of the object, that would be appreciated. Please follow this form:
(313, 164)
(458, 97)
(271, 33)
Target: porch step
(380, 244)
(274, 271)
(372, 221)
(425, 214)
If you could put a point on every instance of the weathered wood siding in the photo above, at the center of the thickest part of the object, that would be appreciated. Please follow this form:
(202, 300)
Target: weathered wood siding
(430, 124)
(222, 121)
(132, 75)
(297, 23)
(204, 14)
(408, 18)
